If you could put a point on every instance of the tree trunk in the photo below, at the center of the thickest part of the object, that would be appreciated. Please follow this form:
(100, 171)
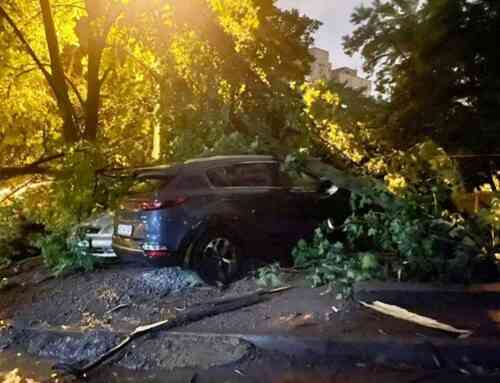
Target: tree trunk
(93, 89)
(99, 24)
(60, 87)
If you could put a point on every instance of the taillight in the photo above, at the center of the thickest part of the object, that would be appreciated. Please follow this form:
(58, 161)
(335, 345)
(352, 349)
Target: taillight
(157, 205)
(155, 250)
(157, 253)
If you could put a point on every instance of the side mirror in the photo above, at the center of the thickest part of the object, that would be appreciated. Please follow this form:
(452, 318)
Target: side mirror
(324, 185)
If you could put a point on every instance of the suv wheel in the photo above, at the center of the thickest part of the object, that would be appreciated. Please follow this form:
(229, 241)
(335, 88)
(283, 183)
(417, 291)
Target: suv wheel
(217, 257)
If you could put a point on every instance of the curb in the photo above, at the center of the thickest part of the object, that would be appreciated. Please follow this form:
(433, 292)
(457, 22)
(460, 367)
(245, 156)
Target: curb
(408, 287)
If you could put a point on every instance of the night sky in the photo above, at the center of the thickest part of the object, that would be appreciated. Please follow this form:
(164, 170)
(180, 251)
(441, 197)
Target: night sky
(335, 15)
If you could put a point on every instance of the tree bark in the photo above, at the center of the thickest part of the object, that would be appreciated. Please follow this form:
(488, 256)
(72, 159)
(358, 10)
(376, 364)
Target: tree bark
(99, 25)
(60, 87)
(93, 89)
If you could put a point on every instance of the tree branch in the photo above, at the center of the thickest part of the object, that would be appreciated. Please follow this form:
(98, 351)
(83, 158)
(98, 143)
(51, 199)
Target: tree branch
(26, 45)
(33, 168)
(75, 90)
(66, 108)
(104, 76)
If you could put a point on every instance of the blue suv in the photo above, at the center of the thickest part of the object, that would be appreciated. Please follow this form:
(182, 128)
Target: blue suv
(209, 213)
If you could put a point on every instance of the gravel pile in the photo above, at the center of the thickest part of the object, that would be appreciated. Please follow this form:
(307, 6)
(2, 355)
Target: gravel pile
(165, 281)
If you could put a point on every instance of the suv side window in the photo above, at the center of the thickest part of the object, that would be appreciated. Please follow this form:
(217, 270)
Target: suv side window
(299, 181)
(219, 177)
(192, 183)
(245, 175)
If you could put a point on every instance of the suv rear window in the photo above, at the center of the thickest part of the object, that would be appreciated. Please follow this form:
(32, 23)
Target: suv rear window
(150, 183)
(245, 175)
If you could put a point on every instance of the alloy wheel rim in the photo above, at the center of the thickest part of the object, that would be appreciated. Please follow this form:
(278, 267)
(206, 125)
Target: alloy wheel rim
(224, 252)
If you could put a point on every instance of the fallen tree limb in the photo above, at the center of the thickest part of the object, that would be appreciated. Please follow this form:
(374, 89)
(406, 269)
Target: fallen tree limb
(237, 298)
(8, 283)
(20, 267)
(354, 183)
(401, 313)
(20, 280)
(207, 309)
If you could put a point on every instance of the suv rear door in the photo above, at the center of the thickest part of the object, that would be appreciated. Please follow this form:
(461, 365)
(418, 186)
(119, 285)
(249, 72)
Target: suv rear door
(249, 193)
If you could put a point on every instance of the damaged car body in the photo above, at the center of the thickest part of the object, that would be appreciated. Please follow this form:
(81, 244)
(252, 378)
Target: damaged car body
(209, 213)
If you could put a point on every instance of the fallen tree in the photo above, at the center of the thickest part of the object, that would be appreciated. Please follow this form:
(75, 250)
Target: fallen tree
(362, 185)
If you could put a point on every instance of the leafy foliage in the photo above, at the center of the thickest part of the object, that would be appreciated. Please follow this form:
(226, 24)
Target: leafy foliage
(9, 231)
(417, 236)
(63, 256)
(328, 262)
(270, 276)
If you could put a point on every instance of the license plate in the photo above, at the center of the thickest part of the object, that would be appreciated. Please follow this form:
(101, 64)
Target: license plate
(124, 230)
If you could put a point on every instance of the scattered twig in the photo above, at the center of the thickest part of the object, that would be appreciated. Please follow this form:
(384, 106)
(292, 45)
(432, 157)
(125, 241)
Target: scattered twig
(119, 307)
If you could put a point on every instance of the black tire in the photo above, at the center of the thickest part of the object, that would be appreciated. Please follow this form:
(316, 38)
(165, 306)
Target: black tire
(212, 262)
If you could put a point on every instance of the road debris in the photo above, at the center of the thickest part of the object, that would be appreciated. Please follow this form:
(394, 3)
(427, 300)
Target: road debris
(401, 313)
(239, 372)
(119, 307)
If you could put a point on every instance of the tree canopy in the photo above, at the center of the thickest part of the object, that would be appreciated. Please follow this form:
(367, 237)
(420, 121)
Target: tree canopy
(438, 64)
(119, 75)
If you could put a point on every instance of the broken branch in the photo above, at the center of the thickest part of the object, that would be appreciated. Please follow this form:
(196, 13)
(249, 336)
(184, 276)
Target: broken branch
(400, 313)
(207, 309)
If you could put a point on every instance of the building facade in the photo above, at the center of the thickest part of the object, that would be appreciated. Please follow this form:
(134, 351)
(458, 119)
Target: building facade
(321, 69)
(350, 77)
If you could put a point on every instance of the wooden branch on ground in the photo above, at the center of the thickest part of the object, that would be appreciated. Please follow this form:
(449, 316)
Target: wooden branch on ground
(23, 266)
(8, 283)
(194, 314)
(18, 280)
